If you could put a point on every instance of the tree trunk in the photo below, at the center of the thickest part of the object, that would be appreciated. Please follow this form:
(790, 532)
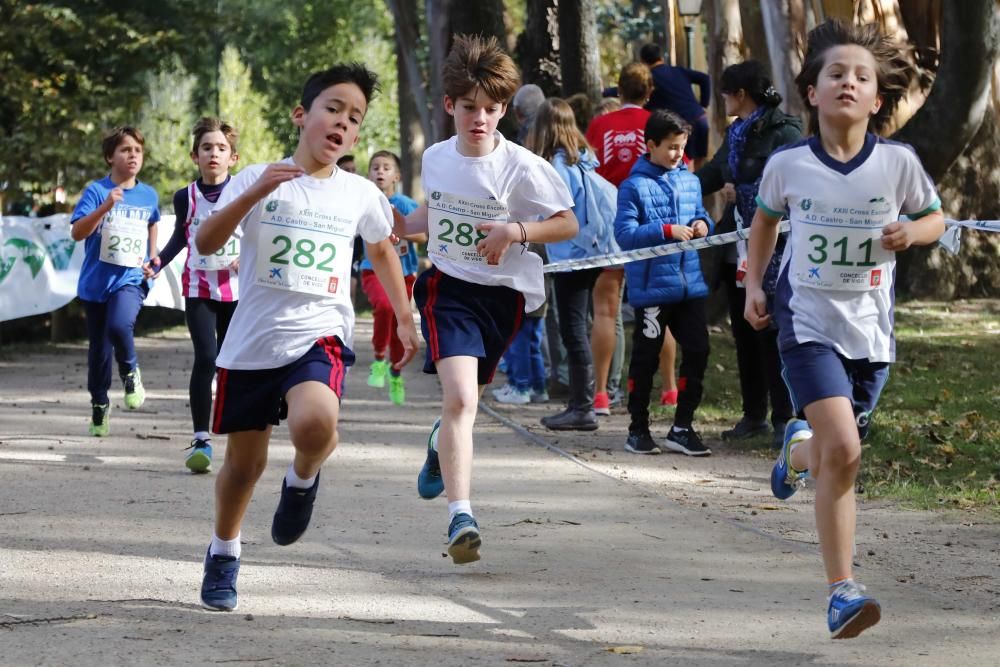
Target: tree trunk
(537, 48)
(970, 31)
(964, 159)
(439, 41)
(578, 49)
(754, 35)
(724, 49)
(414, 114)
(780, 27)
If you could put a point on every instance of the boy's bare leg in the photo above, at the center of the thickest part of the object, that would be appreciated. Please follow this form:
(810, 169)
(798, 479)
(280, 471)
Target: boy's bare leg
(313, 412)
(459, 403)
(668, 359)
(246, 458)
(834, 454)
(607, 301)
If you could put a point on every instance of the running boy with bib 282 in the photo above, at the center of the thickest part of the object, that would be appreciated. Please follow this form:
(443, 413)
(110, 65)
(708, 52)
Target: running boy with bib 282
(288, 346)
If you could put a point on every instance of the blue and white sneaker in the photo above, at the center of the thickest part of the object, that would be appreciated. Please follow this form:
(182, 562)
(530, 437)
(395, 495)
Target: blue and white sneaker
(785, 481)
(463, 539)
(218, 584)
(430, 484)
(850, 611)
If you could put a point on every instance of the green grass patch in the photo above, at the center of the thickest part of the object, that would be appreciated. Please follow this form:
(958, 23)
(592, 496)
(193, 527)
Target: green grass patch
(935, 436)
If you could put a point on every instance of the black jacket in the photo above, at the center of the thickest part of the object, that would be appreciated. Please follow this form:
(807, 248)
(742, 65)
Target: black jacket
(769, 132)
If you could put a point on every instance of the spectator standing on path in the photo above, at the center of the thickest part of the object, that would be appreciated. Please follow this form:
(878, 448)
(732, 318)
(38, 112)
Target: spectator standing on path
(661, 202)
(672, 91)
(760, 128)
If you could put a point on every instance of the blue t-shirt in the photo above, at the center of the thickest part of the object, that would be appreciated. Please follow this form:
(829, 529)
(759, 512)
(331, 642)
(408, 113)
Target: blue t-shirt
(98, 280)
(404, 205)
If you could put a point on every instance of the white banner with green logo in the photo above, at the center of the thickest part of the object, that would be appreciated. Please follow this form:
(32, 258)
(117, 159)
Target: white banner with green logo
(40, 266)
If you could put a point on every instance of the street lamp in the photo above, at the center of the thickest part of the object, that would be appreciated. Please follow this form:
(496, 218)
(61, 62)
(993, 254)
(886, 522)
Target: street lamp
(688, 8)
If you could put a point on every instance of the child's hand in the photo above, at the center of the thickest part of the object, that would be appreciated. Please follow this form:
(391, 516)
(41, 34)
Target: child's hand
(755, 311)
(700, 229)
(499, 237)
(276, 174)
(407, 332)
(114, 197)
(896, 236)
(681, 232)
(151, 269)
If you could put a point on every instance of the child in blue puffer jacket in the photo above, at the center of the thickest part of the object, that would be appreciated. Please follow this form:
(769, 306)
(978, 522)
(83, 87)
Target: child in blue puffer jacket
(658, 203)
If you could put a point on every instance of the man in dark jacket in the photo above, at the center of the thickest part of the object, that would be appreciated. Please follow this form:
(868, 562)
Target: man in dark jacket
(672, 91)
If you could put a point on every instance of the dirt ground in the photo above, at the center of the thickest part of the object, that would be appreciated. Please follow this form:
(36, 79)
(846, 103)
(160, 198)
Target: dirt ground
(591, 556)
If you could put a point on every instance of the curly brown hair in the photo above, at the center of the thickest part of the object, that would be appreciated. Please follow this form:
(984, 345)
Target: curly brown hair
(894, 73)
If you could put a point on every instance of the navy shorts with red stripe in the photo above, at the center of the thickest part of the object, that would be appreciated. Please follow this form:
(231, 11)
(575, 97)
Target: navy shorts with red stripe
(249, 400)
(463, 319)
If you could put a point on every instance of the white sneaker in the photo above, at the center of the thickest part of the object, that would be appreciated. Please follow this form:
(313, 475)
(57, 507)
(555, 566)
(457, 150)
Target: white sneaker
(508, 394)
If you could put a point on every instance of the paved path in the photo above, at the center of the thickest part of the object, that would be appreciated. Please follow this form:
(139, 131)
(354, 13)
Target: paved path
(101, 543)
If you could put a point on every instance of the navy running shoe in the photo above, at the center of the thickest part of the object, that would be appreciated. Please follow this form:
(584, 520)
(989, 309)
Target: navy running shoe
(641, 442)
(785, 481)
(218, 585)
(850, 611)
(463, 539)
(430, 484)
(294, 512)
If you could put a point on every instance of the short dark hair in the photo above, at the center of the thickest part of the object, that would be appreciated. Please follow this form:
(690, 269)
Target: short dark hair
(117, 135)
(355, 73)
(388, 154)
(650, 53)
(344, 158)
(208, 124)
(479, 62)
(663, 123)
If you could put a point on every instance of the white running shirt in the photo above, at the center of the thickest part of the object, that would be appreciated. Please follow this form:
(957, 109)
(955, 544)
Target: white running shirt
(836, 282)
(509, 176)
(274, 326)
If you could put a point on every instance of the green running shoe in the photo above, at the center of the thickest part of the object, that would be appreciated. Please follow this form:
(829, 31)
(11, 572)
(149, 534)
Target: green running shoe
(135, 393)
(376, 376)
(397, 389)
(99, 418)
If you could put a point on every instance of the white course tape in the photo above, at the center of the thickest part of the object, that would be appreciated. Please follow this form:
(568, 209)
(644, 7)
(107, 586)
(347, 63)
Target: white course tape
(951, 241)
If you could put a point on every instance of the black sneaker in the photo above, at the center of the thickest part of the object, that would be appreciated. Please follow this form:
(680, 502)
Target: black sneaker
(294, 512)
(641, 442)
(686, 442)
(747, 428)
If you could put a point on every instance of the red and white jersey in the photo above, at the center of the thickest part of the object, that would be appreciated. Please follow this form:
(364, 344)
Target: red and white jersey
(218, 285)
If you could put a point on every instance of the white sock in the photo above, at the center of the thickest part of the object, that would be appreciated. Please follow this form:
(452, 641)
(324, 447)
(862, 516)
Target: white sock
(679, 429)
(434, 440)
(459, 507)
(203, 435)
(222, 547)
(296, 482)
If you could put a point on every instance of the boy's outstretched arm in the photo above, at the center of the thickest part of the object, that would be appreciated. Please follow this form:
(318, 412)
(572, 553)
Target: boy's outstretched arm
(763, 237)
(899, 235)
(412, 227)
(216, 230)
(389, 272)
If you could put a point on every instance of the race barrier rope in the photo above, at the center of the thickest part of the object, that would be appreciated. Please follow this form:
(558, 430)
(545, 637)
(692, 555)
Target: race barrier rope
(951, 241)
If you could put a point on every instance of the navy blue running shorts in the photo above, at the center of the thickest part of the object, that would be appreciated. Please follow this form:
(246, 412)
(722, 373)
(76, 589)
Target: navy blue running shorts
(250, 400)
(463, 319)
(814, 371)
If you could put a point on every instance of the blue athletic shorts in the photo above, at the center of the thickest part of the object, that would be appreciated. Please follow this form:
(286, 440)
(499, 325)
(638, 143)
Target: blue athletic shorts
(814, 371)
(463, 319)
(250, 400)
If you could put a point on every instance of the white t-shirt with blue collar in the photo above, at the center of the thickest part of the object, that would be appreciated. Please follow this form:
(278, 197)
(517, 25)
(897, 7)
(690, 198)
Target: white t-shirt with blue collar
(836, 285)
